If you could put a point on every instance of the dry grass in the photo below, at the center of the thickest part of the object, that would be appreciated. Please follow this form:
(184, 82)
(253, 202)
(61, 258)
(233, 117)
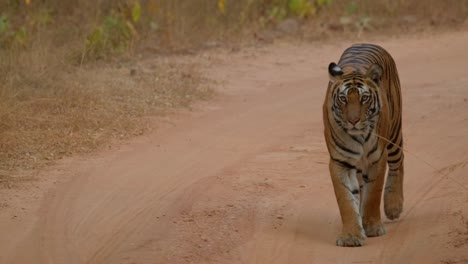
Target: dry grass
(49, 110)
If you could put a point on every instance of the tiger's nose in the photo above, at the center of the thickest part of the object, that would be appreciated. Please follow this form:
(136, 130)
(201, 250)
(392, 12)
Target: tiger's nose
(353, 121)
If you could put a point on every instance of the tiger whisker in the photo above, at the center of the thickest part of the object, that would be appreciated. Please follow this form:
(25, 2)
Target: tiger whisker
(423, 161)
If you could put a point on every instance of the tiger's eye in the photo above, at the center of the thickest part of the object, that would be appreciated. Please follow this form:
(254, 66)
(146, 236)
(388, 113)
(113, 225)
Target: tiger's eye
(342, 98)
(364, 98)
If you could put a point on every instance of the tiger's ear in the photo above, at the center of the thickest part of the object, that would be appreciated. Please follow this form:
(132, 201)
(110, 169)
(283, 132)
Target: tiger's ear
(334, 71)
(374, 73)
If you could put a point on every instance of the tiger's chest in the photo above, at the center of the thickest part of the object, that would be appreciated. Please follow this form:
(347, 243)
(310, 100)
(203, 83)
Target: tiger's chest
(371, 152)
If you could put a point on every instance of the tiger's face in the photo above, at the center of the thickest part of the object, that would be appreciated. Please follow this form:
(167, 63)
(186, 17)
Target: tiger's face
(355, 102)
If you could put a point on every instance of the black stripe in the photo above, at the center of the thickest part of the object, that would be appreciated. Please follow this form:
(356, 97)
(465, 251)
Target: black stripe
(332, 133)
(390, 100)
(368, 135)
(395, 152)
(340, 145)
(343, 163)
(371, 129)
(394, 135)
(374, 149)
(369, 53)
(354, 192)
(377, 160)
(366, 179)
(394, 161)
(357, 140)
(354, 60)
(396, 144)
(347, 149)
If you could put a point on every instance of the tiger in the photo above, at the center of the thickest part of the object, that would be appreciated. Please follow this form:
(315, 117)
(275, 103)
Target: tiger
(362, 116)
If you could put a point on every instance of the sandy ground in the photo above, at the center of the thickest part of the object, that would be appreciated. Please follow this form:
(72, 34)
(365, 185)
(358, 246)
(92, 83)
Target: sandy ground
(244, 179)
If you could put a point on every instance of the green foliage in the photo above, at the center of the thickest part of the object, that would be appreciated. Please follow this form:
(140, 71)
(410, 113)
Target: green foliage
(277, 10)
(4, 25)
(10, 37)
(321, 3)
(115, 33)
(20, 37)
(43, 17)
(136, 12)
(273, 14)
(222, 6)
(352, 8)
(301, 8)
(18, 34)
(354, 19)
(111, 36)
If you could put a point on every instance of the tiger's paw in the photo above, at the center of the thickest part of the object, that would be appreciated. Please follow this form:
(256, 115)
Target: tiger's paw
(393, 205)
(350, 241)
(375, 230)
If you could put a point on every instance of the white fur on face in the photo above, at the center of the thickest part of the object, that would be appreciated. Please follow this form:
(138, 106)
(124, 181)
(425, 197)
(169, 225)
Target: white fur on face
(344, 90)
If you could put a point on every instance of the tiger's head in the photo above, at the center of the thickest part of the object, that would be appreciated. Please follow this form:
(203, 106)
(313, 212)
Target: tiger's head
(355, 102)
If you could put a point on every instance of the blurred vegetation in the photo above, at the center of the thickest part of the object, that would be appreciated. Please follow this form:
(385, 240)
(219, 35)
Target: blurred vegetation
(98, 29)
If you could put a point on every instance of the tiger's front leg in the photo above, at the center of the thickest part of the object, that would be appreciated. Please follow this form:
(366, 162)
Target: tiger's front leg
(346, 188)
(372, 196)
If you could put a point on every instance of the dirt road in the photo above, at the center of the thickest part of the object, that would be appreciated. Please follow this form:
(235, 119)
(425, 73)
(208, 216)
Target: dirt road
(245, 179)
